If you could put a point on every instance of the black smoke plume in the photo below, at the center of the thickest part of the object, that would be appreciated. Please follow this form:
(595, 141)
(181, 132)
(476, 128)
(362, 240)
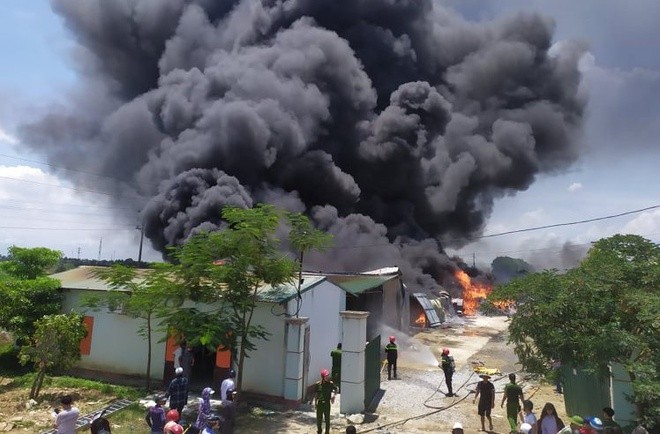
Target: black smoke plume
(394, 124)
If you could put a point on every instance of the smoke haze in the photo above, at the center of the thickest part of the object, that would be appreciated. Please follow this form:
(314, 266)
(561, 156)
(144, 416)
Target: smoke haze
(394, 125)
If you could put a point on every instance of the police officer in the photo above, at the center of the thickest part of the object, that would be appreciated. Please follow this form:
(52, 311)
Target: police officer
(325, 396)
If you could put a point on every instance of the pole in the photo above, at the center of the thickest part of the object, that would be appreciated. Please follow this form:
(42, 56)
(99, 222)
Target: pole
(141, 228)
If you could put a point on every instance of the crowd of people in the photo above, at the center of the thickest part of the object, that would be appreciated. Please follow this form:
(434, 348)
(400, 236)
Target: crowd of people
(161, 420)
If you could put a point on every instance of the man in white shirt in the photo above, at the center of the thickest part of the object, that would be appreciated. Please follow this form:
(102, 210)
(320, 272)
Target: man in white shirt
(183, 358)
(227, 383)
(65, 419)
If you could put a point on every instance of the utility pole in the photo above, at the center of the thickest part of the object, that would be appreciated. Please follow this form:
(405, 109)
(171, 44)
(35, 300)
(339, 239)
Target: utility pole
(100, 247)
(141, 228)
(474, 263)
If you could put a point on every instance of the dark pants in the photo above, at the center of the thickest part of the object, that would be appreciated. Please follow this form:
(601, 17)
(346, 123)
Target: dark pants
(448, 376)
(323, 410)
(391, 364)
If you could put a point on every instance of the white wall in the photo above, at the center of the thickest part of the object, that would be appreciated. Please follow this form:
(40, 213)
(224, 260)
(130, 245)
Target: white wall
(322, 304)
(116, 345)
(264, 369)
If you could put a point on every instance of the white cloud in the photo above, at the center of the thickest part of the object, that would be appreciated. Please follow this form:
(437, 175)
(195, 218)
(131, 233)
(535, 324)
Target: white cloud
(38, 209)
(576, 186)
(7, 138)
(646, 224)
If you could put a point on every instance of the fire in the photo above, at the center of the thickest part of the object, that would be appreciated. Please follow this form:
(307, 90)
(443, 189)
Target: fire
(473, 293)
(421, 320)
(504, 305)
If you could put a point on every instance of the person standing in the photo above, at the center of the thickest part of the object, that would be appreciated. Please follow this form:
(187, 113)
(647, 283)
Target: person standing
(457, 429)
(183, 358)
(549, 422)
(204, 414)
(324, 398)
(336, 366)
(448, 367)
(228, 413)
(485, 391)
(528, 412)
(177, 391)
(171, 419)
(66, 418)
(227, 383)
(213, 424)
(513, 396)
(392, 352)
(155, 416)
(608, 417)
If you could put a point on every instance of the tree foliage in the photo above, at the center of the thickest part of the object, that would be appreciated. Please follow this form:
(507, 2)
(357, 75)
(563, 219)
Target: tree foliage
(29, 263)
(55, 344)
(26, 292)
(505, 268)
(226, 268)
(605, 310)
(143, 294)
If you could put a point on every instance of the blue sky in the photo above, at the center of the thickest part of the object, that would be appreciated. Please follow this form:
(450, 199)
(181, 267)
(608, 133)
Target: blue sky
(617, 172)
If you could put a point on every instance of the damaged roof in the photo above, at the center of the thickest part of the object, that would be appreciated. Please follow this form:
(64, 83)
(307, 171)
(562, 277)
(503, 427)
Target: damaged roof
(358, 284)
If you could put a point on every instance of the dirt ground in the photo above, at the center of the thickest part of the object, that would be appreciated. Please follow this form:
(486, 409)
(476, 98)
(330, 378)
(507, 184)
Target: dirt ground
(19, 415)
(413, 404)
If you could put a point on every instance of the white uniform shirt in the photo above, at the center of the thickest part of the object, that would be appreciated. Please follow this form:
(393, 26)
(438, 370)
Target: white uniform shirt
(225, 386)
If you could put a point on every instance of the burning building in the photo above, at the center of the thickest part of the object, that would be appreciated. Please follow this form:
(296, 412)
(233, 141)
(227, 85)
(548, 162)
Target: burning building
(394, 125)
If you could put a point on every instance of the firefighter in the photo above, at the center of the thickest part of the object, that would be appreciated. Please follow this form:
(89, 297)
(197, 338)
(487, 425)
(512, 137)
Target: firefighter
(448, 367)
(392, 354)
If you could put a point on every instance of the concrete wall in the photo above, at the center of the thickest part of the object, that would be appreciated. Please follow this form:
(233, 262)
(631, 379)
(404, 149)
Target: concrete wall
(625, 412)
(116, 346)
(322, 305)
(263, 371)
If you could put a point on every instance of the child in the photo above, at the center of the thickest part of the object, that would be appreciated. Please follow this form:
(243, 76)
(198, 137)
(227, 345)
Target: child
(528, 415)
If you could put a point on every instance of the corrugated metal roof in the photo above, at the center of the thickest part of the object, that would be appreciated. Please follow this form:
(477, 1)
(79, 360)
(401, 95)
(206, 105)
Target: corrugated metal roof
(429, 310)
(286, 292)
(357, 284)
(84, 277)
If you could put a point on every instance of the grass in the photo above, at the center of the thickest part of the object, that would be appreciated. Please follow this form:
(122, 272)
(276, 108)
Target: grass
(129, 420)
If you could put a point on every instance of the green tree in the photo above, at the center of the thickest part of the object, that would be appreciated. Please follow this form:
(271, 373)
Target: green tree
(605, 310)
(26, 292)
(138, 293)
(55, 344)
(30, 263)
(505, 268)
(226, 268)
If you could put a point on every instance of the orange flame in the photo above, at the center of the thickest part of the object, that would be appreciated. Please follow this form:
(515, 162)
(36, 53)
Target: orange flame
(504, 305)
(473, 293)
(421, 320)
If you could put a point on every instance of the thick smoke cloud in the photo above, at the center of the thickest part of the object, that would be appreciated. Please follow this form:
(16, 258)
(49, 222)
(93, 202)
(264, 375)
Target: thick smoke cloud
(394, 124)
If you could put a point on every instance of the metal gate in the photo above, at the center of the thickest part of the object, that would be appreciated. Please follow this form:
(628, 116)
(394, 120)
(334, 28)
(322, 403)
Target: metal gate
(371, 370)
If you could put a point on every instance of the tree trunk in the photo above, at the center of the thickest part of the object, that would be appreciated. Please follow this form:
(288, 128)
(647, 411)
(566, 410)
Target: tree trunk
(38, 381)
(148, 352)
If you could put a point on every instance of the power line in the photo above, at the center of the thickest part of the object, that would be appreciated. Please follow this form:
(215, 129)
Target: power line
(577, 222)
(60, 186)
